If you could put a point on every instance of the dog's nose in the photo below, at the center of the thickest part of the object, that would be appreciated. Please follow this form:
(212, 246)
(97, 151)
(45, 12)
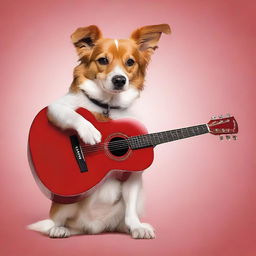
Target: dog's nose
(118, 82)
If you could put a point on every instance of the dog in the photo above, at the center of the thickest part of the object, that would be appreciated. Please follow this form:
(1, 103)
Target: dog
(108, 79)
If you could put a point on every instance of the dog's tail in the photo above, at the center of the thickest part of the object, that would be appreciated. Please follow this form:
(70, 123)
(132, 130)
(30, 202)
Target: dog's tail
(42, 226)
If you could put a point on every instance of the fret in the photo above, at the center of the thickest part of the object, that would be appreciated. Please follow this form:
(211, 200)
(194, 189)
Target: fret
(202, 128)
(174, 135)
(151, 140)
(195, 130)
(143, 142)
(166, 137)
(170, 135)
(157, 139)
(199, 129)
(191, 131)
(136, 141)
(151, 136)
(185, 133)
(147, 140)
(177, 134)
(161, 136)
(180, 135)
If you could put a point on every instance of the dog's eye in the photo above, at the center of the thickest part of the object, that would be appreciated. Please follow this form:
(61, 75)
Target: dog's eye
(103, 61)
(130, 62)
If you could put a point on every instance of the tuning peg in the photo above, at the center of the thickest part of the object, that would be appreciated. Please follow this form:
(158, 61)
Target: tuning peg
(227, 115)
(214, 117)
(221, 137)
(228, 137)
(220, 117)
(234, 137)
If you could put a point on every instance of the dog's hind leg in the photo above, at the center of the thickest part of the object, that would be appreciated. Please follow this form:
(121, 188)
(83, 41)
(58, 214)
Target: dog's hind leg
(131, 192)
(60, 213)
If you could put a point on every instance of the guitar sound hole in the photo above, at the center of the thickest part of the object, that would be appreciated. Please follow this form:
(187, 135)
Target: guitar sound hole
(118, 146)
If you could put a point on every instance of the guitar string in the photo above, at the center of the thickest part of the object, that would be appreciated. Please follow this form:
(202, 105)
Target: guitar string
(114, 145)
(173, 133)
(120, 142)
(117, 145)
(98, 147)
(147, 137)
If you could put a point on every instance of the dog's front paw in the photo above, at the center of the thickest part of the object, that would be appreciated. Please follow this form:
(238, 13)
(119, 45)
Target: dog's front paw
(59, 232)
(89, 134)
(143, 231)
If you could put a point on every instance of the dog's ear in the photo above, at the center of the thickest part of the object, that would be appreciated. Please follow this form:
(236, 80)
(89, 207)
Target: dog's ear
(147, 37)
(84, 39)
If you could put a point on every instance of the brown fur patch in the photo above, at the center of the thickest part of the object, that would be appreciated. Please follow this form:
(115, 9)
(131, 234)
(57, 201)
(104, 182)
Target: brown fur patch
(54, 209)
(79, 77)
(100, 117)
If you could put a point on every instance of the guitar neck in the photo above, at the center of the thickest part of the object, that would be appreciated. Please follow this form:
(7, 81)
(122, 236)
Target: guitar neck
(153, 139)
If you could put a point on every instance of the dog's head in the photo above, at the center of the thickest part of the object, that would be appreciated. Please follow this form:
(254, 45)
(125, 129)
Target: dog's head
(115, 65)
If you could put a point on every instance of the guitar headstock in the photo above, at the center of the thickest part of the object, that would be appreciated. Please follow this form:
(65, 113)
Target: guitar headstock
(223, 126)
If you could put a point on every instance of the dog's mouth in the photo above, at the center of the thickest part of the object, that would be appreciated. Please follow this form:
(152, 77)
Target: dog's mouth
(116, 91)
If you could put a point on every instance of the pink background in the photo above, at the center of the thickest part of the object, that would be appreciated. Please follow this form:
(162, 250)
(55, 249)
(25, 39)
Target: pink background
(200, 192)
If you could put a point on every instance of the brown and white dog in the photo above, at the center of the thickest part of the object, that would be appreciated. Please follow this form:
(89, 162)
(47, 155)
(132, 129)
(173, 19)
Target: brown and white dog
(109, 77)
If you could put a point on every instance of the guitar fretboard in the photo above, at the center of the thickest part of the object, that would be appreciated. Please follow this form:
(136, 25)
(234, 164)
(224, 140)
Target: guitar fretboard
(153, 139)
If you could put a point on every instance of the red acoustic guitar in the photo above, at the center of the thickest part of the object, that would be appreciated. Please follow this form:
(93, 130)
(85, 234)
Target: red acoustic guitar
(66, 169)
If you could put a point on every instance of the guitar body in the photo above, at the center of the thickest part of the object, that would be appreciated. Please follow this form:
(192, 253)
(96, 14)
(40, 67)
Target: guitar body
(67, 170)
